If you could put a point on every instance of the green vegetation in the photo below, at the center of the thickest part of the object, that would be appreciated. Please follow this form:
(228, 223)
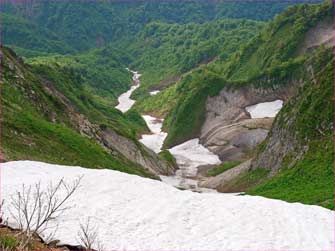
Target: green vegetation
(309, 179)
(169, 158)
(222, 168)
(173, 49)
(103, 71)
(38, 27)
(248, 179)
(8, 242)
(278, 42)
(267, 60)
(38, 125)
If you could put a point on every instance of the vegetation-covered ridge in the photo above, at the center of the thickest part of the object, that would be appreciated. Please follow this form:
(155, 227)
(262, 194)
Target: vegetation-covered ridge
(163, 52)
(39, 27)
(270, 67)
(42, 119)
(304, 137)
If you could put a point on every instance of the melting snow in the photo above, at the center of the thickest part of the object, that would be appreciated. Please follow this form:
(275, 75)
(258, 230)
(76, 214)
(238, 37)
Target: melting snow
(135, 213)
(154, 141)
(265, 110)
(191, 154)
(125, 102)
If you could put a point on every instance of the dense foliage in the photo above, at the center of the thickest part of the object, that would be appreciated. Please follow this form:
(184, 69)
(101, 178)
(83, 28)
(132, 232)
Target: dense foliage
(164, 51)
(103, 71)
(66, 26)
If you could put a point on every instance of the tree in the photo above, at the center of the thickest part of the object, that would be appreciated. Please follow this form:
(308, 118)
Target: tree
(33, 208)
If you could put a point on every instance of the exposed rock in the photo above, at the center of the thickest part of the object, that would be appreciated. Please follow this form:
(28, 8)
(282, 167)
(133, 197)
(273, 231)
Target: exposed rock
(231, 141)
(321, 34)
(228, 130)
(221, 181)
(135, 152)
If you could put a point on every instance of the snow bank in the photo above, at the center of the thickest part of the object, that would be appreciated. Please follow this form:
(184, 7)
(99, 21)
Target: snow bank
(125, 102)
(191, 154)
(155, 140)
(135, 213)
(265, 110)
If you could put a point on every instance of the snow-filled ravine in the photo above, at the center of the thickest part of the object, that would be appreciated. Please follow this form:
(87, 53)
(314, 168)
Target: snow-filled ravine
(266, 109)
(135, 213)
(189, 155)
(125, 102)
(155, 140)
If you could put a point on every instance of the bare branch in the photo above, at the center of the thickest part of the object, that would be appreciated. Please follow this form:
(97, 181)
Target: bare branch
(33, 208)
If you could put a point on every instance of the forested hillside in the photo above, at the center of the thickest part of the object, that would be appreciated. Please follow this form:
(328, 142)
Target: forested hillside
(38, 27)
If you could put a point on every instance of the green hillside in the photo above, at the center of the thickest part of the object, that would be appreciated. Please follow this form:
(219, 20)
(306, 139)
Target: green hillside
(38, 125)
(185, 117)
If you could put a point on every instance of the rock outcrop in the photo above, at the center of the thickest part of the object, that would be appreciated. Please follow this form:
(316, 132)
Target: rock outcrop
(229, 130)
(135, 152)
(221, 182)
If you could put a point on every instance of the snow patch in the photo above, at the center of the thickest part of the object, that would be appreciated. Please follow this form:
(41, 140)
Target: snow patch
(155, 140)
(265, 110)
(153, 93)
(125, 102)
(192, 154)
(135, 213)
(189, 156)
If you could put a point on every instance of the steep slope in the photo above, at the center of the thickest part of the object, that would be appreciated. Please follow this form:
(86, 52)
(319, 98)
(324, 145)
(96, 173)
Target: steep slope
(295, 162)
(299, 151)
(103, 71)
(48, 116)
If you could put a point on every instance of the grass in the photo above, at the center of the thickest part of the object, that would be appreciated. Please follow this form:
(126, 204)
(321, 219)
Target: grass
(8, 242)
(169, 158)
(222, 168)
(29, 132)
(310, 181)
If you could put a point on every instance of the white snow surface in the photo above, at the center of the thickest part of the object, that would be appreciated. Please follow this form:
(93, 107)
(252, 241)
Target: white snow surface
(192, 154)
(135, 213)
(265, 110)
(155, 140)
(125, 102)
(153, 93)
(189, 156)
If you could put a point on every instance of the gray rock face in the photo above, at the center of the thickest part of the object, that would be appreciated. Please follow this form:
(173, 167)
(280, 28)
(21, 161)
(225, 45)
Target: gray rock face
(280, 143)
(229, 130)
(230, 141)
(135, 152)
(221, 181)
